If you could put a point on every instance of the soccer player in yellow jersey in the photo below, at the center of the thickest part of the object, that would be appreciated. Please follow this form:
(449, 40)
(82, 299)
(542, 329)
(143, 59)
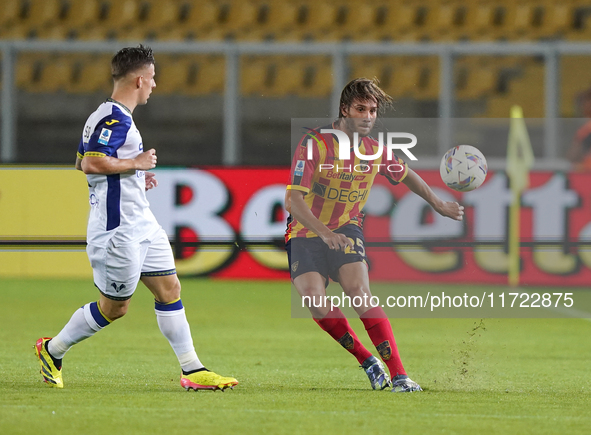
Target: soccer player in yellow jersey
(325, 199)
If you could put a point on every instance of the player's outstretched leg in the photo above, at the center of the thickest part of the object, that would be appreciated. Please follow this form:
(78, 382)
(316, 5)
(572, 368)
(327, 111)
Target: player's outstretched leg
(51, 369)
(85, 322)
(404, 384)
(203, 379)
(337, 326)
(376, 373)
(173, 324)
(380, 331)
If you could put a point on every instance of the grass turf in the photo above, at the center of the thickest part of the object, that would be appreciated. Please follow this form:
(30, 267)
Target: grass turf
(510, 376)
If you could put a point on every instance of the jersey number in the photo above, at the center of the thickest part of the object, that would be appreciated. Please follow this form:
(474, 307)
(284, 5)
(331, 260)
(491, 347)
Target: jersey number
(356, 243)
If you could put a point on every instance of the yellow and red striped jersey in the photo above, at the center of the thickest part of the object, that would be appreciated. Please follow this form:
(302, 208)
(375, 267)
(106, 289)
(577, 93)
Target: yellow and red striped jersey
(336, 190)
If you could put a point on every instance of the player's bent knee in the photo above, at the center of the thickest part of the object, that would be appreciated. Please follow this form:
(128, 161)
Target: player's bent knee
(114, 310)
(311, 290)
(355, 288)
(173, 291)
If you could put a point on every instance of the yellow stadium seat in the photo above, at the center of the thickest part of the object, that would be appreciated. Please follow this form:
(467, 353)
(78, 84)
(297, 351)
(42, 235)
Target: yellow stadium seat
(92, 74)
(236, 19)
(575, 77)
(94, 33)
(403, 20)
(57, 74)
(446, 20)
(478, 77)
(527, 91)
(158, 15)
(82, 13)
(558, 18)
(481, 18)
(400, 76)
(255, 72)
(205, 75)
(15, 31)
(360, 20)
(9, 13)
(581, 32)
(55, 32)
(317, 20)
(135, 34)
(47, 73)
(411, 77)
(317, 80)
(368, 66)
(289, 74)
(121, 15)
(279, 20)
(522, 20)
(28, 70)
(42, 12)
(280, 76)
(171, 74)
(197, 20)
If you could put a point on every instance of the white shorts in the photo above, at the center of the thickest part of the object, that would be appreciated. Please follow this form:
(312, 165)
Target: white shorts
(117, 268)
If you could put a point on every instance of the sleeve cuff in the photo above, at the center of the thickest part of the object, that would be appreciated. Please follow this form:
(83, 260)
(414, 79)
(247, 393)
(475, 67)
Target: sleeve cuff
(296, 187)
(94, 154)
(405, 173)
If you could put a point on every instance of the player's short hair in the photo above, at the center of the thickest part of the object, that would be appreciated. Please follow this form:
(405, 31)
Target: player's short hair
(131, 59)
(364, 89)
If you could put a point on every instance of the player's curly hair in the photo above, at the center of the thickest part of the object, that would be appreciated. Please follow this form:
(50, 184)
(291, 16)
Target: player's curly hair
(364, 89)
(130, 59)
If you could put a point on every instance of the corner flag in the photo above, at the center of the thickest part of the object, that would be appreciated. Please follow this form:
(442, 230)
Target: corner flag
(520, 159)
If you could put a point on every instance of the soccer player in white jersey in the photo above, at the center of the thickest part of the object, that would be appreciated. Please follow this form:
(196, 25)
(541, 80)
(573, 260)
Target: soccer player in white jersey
(125, 244)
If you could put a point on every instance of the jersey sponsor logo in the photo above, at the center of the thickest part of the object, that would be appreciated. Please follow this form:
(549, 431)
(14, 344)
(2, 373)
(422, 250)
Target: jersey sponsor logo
(344, 176)
(346, 195)
(111, 122)
(105, 136)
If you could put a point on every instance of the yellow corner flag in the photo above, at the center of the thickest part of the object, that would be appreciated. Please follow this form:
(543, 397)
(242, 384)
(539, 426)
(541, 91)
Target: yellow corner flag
(520, 159)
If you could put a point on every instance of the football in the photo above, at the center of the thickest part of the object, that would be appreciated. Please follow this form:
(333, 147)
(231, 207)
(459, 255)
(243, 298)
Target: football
(463, 168)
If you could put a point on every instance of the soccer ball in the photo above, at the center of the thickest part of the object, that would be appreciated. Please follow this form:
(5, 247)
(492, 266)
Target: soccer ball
(463, 168)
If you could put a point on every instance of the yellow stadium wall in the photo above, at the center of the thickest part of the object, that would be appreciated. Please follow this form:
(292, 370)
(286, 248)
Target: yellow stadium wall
(43, 203)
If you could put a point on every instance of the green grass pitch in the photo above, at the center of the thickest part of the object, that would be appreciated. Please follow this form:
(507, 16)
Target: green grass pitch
(512, 376)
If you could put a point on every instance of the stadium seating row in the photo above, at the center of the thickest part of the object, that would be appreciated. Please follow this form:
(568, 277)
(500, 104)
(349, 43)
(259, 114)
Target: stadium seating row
(247, 20)
(501, 80)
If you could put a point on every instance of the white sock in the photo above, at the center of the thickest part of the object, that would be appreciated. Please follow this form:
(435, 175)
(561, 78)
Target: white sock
(84, 323)
(173, 324)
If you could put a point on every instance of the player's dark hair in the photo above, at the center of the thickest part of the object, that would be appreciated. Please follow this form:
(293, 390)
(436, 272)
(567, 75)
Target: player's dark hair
(131, 59)
(364, 89)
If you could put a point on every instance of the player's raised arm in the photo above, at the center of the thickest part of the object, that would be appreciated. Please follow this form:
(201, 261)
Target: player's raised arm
(106, 165)
(417, 185)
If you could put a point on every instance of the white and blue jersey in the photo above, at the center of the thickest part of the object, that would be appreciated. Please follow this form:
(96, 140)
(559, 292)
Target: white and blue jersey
(119, 209)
